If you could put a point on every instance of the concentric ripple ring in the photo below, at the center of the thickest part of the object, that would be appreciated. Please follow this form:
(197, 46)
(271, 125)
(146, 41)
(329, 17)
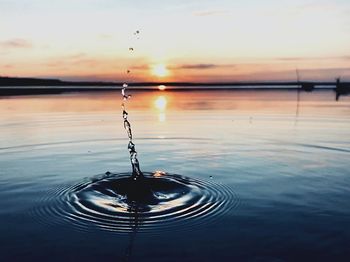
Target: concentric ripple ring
(116, 203)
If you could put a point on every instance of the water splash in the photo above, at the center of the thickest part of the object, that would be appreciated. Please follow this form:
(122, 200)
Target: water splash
(136, 172)
(109, 202)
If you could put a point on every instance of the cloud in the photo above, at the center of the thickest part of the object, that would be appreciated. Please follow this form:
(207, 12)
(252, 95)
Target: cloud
(201, 66)
(79, 59)
(16, 43)
(140, 67)
(293, 58)
(196, 66)
(344, 57)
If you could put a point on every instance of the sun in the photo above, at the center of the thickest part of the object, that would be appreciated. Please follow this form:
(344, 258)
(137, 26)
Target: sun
(161, 87)
(160, 70)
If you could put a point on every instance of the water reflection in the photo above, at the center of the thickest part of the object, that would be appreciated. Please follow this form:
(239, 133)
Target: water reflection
(237, 101)
(135, 223)
(161, 117)
(161, 104)
(274, 167)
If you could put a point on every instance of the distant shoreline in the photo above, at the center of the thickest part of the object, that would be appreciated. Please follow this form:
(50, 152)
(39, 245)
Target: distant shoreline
(21, 91)
(19, 81)
(33, 86)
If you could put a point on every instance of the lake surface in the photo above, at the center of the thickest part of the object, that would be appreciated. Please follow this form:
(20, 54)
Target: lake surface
(263, 177)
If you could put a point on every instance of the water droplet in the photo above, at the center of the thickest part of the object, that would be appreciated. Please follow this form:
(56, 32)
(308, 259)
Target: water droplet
(211, 177)
(125, 114)
(108, 173)
(125, 85)
(131, 49)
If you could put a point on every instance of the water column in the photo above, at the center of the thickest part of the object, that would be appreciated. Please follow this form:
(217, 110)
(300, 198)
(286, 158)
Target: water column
(136, 172)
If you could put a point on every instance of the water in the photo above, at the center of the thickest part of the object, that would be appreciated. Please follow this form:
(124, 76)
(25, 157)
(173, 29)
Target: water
(136, 171)
(135, 201)
(119, 204)
(241, 177)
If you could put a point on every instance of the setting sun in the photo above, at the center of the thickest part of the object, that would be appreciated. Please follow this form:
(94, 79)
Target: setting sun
(161, 87)
(160, 70)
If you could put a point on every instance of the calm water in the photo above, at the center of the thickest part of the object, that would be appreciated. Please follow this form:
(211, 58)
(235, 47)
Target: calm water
(241, 177)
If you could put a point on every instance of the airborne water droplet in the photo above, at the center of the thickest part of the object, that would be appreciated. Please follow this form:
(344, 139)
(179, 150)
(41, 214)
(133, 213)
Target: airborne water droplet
(125, 114)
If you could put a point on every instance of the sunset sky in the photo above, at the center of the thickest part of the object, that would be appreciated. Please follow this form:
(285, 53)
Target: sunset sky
(182, 40)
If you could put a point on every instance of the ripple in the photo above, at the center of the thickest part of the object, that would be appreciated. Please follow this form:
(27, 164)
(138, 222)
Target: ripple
(74, 142)
(115, 203)
(320, 147)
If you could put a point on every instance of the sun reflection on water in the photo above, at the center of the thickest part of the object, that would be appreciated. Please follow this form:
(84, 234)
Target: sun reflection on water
(161, 104)
(161, 117)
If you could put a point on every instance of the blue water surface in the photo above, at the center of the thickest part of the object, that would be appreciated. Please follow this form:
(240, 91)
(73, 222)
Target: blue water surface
(279, 177)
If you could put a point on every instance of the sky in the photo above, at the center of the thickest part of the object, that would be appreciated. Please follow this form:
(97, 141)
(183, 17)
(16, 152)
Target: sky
(182, 40)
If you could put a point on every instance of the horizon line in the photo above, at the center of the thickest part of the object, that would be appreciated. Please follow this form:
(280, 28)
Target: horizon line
(27, 81)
